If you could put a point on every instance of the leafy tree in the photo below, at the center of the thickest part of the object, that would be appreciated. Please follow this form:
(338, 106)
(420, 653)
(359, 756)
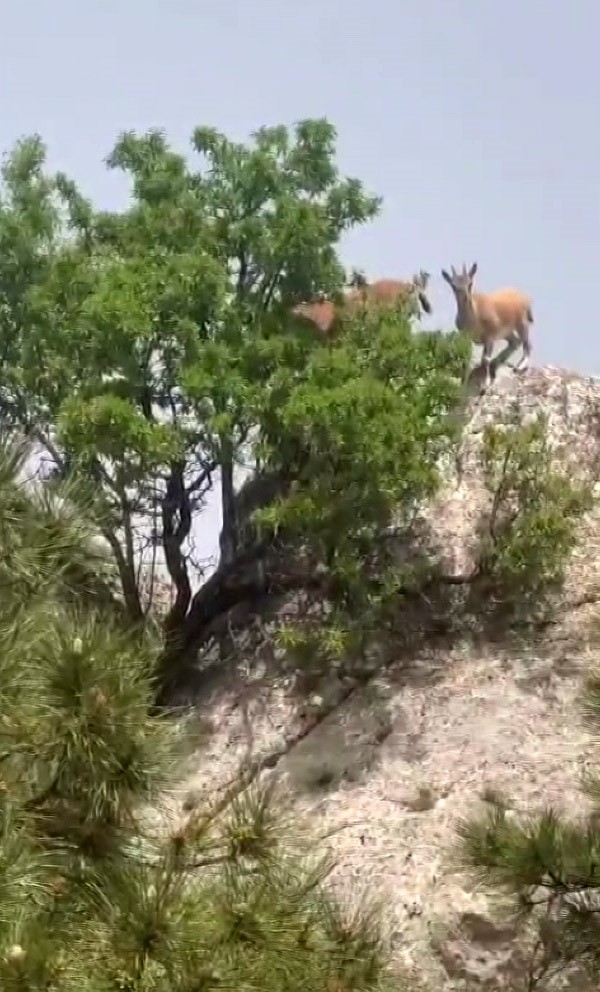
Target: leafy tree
(362, 435)
(151, 351)
(96, 895)
(111, 316)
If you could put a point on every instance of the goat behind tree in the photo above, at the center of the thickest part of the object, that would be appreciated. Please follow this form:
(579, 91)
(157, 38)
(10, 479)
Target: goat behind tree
(388, 291)
(323, 313)
(504, 315)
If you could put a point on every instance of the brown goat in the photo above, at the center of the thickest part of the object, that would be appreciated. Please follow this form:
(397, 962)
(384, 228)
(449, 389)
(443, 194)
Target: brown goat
(323, 313)
(503, 315)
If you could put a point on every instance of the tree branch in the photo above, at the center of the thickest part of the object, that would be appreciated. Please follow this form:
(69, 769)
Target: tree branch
(248, 579)
(205, 476)
(228, 537)
(38, 435)
(125, 567)
(176, 504)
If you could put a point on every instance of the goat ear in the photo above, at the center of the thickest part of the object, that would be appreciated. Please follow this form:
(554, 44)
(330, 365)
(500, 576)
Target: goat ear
(472, 270)
(446, 276)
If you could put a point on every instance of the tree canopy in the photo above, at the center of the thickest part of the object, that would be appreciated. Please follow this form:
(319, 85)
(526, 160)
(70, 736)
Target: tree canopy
(151, 351)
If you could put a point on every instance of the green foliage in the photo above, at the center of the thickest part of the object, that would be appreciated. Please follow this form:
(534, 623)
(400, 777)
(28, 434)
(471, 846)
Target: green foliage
(536, 507)
(525, 541)
(361, 433)
(47, 545)
(139, 345)
(96, 895)
(363, 423)
(153, 349)
(545, 871)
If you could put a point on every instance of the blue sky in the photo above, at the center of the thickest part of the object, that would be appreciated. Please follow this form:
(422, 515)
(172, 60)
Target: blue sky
(477, 121)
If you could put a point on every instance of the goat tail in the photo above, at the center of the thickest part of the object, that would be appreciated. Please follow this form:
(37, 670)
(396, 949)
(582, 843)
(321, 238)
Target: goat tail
(530, 315)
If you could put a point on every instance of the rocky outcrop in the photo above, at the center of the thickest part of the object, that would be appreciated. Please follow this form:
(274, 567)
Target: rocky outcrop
(384, 765)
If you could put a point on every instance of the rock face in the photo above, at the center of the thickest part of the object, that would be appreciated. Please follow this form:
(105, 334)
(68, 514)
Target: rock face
(385, 768)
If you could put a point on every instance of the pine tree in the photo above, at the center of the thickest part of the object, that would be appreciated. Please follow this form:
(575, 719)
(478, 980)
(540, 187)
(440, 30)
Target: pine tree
(96, 893)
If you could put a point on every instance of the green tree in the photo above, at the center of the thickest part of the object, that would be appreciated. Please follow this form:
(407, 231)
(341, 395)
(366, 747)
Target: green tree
(150, 351)
(361, 437)
(95, 894)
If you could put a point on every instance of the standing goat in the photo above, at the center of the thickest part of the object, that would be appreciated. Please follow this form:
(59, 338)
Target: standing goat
(323, 313)
(504, 315)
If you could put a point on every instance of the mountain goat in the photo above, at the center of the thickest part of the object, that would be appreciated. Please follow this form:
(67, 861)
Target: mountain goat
(323, 313)
(504, 315)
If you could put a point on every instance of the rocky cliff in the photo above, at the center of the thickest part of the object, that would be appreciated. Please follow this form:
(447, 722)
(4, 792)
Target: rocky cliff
(385, 765)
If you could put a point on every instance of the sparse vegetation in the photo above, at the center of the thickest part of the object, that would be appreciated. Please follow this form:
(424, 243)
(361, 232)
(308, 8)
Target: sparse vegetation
(525, 541)
(532, 525)
(544, 871)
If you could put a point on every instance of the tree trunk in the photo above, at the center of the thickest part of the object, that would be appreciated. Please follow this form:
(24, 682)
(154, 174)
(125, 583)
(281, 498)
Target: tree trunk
(228, 538)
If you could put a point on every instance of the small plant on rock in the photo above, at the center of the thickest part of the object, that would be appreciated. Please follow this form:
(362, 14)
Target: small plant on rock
(532, 525)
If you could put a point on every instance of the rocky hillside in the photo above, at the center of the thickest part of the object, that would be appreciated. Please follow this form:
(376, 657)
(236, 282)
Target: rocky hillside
(384, 766)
